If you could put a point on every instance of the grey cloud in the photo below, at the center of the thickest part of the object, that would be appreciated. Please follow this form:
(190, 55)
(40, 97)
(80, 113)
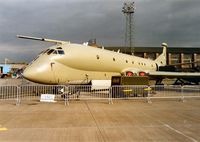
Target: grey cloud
(155, 21)
(175, 22)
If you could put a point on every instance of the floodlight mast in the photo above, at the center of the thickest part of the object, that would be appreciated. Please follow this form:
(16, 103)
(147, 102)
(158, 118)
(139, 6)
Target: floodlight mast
(129, 9)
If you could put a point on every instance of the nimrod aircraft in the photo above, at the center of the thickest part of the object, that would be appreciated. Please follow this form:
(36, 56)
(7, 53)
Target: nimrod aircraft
(69, 63)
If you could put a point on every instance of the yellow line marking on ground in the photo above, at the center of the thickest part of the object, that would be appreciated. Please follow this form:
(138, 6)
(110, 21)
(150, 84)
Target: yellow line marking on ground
(3, 129)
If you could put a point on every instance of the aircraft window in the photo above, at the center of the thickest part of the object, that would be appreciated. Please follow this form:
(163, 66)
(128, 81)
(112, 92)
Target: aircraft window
(55, 52)
(46, 51)
(97, 56)
(42, 52)
(139, 63)
(113, 59)
(126, 61)
(50, 51)
(132, 62)
(58, 48)
(36, 58)
(142, 63)
(61, 52)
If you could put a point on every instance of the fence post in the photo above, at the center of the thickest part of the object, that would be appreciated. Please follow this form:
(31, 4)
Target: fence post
(182, 94)
(148, 95)
(110, 96)
(18, 95)
(66, 96)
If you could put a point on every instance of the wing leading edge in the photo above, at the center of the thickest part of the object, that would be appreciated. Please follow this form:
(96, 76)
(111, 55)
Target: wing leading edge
(173, 74)
(192, 78)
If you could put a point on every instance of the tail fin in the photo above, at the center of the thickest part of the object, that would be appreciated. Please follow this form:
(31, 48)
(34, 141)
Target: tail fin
(162, 59)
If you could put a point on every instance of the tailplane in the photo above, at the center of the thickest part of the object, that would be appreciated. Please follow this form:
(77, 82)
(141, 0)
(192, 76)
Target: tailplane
(162, 59)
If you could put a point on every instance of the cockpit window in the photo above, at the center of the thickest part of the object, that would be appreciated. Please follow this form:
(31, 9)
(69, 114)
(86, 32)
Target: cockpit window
(54, 52)
(35, 58)
(61, 52)
(41, 53)
(46, 51)
(50, 51)
(58, 48)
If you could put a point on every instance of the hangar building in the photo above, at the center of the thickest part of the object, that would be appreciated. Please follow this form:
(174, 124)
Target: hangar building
(174, 54)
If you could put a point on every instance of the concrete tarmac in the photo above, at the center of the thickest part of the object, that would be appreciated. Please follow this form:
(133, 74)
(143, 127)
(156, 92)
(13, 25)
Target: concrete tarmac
(97, 121)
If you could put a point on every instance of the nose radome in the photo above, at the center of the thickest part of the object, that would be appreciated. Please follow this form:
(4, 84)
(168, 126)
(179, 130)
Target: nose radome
(30, 74)
(39, 73)
(35, 74)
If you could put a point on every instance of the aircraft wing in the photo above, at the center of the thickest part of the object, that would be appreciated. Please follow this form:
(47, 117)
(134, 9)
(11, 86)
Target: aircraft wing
(163, 74)
(42, 39)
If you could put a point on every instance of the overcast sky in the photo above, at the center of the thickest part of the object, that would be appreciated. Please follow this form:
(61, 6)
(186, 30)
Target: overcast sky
(176, 22)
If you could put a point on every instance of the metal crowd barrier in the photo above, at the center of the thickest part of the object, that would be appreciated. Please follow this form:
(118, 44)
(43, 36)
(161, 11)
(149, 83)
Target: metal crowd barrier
(33, 92)
(8, 92)
(175, 91)
(88, 92)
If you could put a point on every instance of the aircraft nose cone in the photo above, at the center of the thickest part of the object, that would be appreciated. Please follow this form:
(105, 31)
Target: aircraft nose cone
(39, 73)
(29, 74)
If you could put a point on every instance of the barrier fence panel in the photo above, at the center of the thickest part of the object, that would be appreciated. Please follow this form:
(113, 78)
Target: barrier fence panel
(174, 92)
(8, 93)
(129, 91)
(166, 91)
(34, 92)
(88, 92)
(191, 91)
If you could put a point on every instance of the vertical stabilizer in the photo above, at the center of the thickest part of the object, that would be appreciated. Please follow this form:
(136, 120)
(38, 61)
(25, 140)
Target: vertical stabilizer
(162, 59)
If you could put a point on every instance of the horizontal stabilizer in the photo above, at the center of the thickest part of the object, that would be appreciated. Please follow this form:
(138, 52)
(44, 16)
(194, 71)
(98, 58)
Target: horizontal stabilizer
(42, 39)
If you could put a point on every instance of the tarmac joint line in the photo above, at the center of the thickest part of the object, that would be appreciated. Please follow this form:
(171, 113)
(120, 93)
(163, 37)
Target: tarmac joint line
(95, 121)
(177, 131)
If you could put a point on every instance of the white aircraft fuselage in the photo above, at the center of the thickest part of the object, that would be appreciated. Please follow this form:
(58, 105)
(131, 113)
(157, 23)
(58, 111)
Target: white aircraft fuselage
(76, 63)
(68, 63)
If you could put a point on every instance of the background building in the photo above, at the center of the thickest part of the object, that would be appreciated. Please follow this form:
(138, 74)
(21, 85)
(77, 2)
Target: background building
(174, 54)
(11, 69)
